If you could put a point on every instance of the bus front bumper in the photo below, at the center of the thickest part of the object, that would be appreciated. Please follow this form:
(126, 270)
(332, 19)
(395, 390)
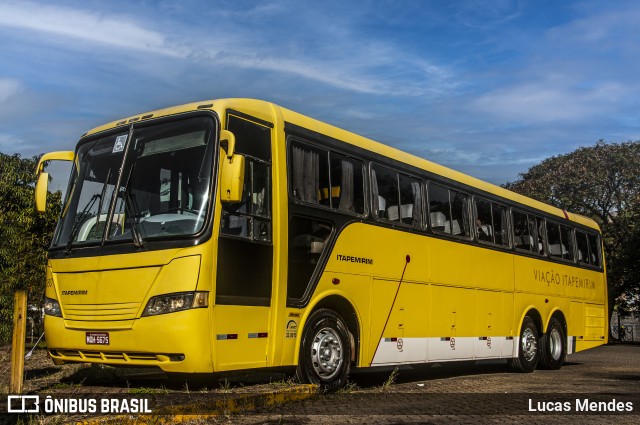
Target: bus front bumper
(175, 342)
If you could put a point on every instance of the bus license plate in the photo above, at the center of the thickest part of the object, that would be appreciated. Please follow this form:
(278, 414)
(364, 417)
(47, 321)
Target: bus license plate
(97, 338)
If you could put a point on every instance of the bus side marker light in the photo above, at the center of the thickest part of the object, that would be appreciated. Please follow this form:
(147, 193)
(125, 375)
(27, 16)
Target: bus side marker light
(226, 336)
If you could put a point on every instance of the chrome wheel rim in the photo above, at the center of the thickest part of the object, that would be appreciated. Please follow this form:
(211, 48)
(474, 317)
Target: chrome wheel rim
(529, 344)
(555, 344)
(326, 353)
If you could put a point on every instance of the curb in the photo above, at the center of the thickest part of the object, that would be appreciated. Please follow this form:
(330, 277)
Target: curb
(228, 403)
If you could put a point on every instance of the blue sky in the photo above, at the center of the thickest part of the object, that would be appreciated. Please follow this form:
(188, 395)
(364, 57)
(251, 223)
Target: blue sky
(488, 87)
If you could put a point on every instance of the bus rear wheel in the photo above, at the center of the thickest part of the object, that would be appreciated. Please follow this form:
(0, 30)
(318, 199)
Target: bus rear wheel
(553, 346)
(325, 352)
(528, 348)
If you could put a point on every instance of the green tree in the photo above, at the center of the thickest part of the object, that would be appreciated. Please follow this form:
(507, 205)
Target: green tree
(601, 182)
(24, 236)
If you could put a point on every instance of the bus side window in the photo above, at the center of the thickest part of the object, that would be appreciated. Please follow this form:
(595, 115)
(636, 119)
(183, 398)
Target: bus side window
(582, 247)
(439, 211)
(448, 210)
(307, 242)
(491, 222)
(499, 214)
(540, 235)
(385, 186)
(347, 184)
(459, 213)
(560, 240)
(410, 201)
(594, 250)
(251, 217)
(310, 175)
(484, 220)
(521, 237)
(556, 248)
(325, 178)
(566, 233)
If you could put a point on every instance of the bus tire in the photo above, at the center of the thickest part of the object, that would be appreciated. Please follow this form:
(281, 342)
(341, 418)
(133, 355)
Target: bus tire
(325, 352)
(553, 349)
(528, 348)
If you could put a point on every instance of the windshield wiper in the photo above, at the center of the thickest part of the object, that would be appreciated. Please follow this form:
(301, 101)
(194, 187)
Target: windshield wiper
(76, 227)
(134, 212)
(76, 223)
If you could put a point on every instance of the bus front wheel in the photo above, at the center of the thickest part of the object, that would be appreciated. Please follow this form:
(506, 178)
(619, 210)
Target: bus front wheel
(528, 348)
(325, 352)
(552, 346)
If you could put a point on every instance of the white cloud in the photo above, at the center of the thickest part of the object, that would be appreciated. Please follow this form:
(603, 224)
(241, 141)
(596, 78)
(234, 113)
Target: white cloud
(331, 54)
(8, 88)
(461, 156)
(548, 102)
(599, 28)
(10, 144)
(486, 14)
(93, 27)
(376, 68)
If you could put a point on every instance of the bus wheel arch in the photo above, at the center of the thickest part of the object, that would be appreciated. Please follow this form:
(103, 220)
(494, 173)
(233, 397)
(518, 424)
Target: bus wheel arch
(528, 343)
(348, 314)
(553, 343)
(328, 345)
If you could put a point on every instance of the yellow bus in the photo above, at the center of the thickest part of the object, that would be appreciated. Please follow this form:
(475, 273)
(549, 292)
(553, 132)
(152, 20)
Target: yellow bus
(235, 234)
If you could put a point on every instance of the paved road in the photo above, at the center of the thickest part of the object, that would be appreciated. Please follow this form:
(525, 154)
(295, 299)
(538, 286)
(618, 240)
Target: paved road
(602, 378)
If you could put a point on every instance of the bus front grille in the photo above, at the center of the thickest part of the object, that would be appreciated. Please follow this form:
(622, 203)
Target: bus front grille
(100, 312)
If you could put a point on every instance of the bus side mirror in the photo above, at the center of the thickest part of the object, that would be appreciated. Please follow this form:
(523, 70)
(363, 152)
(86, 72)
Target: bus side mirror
(231, 170)
(229, 139)
(41, 192)
(43, 178)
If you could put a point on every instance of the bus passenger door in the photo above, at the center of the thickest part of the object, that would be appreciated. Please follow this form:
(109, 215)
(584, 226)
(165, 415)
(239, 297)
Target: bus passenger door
(245, 256)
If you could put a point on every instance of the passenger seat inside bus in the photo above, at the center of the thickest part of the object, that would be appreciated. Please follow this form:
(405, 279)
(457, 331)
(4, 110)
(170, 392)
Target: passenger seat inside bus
(406, 213)
(438, 221)
(558, 250)
(382, 204)
(452, 227)
(523, 242)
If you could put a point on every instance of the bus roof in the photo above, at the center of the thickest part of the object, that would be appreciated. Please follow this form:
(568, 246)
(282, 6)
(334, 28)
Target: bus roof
(267, 110)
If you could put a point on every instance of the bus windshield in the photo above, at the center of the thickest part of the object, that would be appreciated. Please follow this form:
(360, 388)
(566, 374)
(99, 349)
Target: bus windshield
(162, 174)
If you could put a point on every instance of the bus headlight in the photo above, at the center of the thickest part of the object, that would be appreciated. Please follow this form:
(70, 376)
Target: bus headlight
(170, 303)
(52, 307)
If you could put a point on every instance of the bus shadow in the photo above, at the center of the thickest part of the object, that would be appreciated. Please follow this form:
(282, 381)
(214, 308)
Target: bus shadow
(105, 376)
(156, 381)
(367, 378)
(39, 372)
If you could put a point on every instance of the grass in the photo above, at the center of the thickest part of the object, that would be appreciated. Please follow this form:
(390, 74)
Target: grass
(285, 382)
(391, 380)
(225, 386)
(147, 390)
(349, 388)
